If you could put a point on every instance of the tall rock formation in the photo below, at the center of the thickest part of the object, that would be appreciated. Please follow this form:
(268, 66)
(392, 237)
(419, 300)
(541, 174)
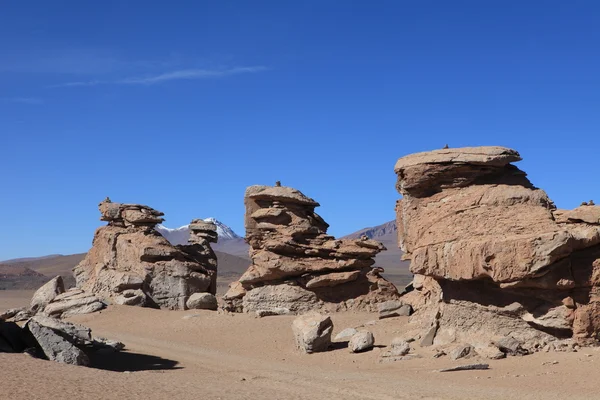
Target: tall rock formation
(492, 256)
(296, 266)
(131, 263)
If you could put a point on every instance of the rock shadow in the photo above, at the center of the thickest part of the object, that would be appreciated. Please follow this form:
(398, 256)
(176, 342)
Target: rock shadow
(127, 361)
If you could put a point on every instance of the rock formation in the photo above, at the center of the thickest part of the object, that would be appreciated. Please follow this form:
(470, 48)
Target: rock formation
(130, 263)
(493, 258)
(52, 300)
(53, 339)
(296, 266)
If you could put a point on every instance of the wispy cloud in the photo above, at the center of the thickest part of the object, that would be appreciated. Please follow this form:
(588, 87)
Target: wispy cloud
(184, 74)
(23, 100)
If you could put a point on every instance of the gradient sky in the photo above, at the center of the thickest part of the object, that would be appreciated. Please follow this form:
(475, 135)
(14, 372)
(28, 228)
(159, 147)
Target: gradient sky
(180, 105)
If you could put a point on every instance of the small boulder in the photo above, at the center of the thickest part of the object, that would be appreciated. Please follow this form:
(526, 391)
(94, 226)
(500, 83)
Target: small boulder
(399, 350)
(312, 332)
(131, 297)
(202, 301)
(399, 347)
(346, 334)
(461, 351)
(393, 308)
(490, 352)
(510, 346)
(273, 311)
(47, 293)
(361, 341)
(107, 345)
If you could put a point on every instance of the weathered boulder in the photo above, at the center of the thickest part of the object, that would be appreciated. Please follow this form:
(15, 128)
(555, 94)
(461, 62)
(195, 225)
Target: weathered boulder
(312, 332)
(60, 341)
(461, 351)
(130, 263)
(296, 265)
(393, 308)
(399, 350)
(361, 341)
(270, 297)
(73, 302)
(47, 293)
(491, 254)
(202, 301)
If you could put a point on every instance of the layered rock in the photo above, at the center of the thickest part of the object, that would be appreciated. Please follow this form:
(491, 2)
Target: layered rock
(130, 263)
(492, 256)
(52, 300)
(296, 266)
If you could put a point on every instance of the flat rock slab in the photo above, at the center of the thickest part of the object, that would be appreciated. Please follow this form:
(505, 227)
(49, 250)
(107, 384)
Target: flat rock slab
(467, 367)
(272, 312)
(55, 346)
(484, 155)
(393, 308)
(346, 334)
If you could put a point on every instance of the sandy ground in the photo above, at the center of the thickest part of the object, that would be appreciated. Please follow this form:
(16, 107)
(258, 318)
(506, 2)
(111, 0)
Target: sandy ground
(207, 355)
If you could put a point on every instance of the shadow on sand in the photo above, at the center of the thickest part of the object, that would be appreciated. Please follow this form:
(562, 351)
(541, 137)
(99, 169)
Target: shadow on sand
(344, 346)
(126, 361)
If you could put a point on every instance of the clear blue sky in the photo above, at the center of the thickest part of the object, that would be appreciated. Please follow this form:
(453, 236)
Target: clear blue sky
(182, 104)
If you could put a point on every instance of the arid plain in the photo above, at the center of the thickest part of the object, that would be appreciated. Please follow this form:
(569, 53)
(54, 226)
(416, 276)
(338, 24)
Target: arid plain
(201, 354)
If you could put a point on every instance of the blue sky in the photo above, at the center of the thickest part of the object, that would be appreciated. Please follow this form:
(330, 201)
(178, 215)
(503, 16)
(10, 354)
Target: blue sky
(182, 105)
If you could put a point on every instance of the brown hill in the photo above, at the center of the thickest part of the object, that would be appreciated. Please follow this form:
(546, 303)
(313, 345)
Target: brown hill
(19, 277)
(232, 255)
(31, 273)
(396, 270)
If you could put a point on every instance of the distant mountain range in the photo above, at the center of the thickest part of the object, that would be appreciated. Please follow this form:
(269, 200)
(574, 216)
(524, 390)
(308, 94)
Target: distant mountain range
(182, 234)
(390, 260)
(229, 241)
(231, 251)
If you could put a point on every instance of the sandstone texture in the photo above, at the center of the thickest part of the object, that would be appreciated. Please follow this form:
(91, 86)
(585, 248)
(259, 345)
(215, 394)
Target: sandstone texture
(494, 260)
(297, 266)
(72, 302)
(51, 299)
(130, 263)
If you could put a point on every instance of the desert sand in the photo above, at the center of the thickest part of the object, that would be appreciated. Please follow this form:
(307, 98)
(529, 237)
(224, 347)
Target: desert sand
(203, 354)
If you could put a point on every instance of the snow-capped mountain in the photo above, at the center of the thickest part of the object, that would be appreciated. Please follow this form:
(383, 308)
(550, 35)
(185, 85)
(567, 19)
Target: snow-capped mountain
(182, 234)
